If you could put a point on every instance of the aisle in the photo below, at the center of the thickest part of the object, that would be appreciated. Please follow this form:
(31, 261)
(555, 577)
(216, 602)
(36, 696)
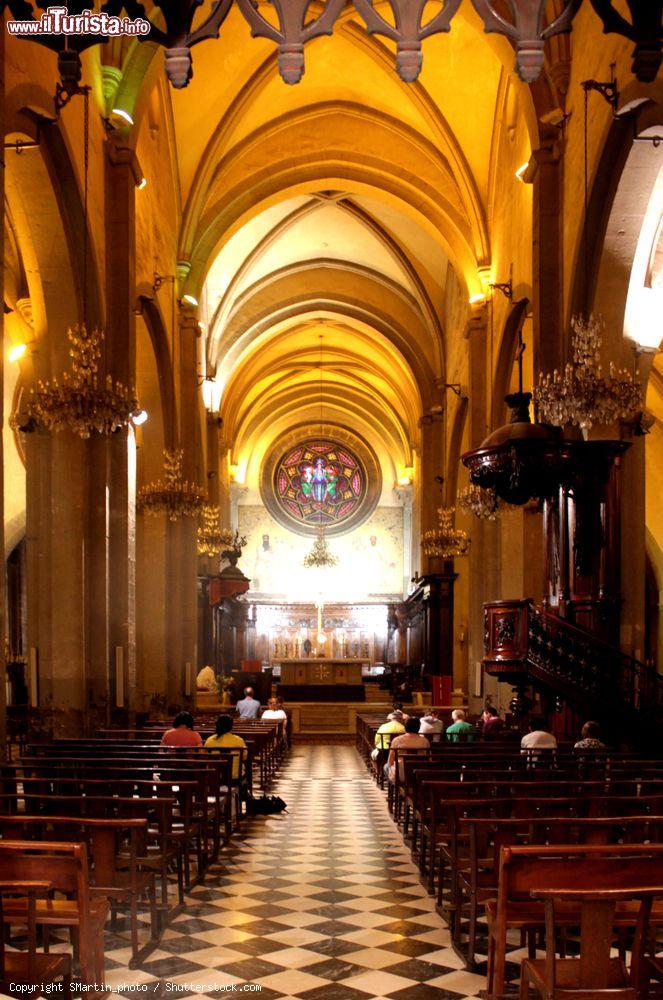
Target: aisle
(321, 903)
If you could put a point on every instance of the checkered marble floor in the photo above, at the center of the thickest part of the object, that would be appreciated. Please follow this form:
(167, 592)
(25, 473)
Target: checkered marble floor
(320, 903)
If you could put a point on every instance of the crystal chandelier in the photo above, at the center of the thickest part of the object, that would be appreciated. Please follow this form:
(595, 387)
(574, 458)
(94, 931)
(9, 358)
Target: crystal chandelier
(171, 495)
(320, 555)
(81, 401)
(446, 541)
(483, 502)
(211, 537)
(582, 394)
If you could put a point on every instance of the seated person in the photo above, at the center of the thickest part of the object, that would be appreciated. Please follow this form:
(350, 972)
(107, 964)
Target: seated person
(398, 707)
(206, 680)
(392, 727)
(492, 724)
(589, 738)
(538, 738)
(460, 726)
(411, 740)
(432, 725)
(182, 734)
(276, 713)
(225, 739)
(248, 707)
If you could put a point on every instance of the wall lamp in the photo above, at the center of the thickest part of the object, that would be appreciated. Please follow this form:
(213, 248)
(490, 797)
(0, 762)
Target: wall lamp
(159, 280)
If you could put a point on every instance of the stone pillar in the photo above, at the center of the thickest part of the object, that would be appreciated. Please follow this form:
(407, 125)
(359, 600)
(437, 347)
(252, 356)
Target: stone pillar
(3, 593)
(547, 263)
(432, 466)
(122, 174)
(183, 553)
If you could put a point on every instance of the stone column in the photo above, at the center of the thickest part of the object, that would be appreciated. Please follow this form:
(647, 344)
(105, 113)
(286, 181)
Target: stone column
(432, 466)
(547, 269)
(3, 593)
(183, 554)
(122, 174)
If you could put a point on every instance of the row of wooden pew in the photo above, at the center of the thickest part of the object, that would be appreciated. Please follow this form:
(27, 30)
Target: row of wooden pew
(526, 842)
(119, 823)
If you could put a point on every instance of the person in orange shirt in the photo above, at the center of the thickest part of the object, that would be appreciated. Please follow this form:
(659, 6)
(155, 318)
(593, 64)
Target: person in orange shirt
(182, 734)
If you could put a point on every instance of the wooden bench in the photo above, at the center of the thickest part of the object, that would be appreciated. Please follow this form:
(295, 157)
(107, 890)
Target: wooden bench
(114, 847)
(65, 867)
(29, 967)
(631, 867)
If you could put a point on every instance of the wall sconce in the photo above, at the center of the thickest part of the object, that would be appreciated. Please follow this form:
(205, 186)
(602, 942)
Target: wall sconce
(528, 171)
(17, 352)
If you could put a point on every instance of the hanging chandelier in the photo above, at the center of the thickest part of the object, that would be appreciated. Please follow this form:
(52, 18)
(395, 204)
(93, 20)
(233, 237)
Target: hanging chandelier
(446, 541)
(582, 394)
(82, 401)
(320, 554)
(171, 495)
(211, 536)
(483, 502)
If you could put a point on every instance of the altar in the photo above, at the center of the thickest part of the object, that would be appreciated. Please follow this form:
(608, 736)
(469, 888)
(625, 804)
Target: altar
(317, 670)
(320, 679)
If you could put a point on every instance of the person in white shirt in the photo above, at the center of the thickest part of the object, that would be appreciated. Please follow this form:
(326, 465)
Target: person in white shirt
(432, 726)
(275, 713)
(538, 738)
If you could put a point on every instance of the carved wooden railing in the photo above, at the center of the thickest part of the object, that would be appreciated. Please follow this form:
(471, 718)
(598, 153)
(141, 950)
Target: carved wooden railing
(526, 644)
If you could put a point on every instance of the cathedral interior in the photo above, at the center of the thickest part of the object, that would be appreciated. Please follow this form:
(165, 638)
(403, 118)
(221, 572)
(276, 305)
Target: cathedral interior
(331, 369)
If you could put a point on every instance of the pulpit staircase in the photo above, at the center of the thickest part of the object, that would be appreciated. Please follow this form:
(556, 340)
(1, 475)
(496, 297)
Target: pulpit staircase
(526, 644)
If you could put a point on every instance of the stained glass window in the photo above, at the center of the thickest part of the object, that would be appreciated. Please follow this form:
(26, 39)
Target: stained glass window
(319, 482)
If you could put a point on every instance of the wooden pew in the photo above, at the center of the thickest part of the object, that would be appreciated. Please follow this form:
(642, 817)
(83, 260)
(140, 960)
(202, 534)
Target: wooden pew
(162, 846)
(65, 867)
(114, 848)
(477, 873)
(29, 968)
(632, 867)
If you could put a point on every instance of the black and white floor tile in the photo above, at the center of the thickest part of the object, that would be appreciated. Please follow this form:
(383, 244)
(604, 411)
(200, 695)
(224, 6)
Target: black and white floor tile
(319, 903)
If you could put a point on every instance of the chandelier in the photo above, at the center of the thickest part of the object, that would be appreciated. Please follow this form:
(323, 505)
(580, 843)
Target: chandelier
(171, 495)
(320, 554)
(446, 541)
(211, 537)
(483, 502)
(82, 401)
(582, 394)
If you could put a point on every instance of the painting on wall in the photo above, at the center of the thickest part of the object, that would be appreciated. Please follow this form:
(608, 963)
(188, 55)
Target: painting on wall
(369, 567)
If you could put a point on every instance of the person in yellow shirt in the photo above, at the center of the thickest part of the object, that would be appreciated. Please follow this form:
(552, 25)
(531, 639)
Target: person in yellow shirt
(225, 739)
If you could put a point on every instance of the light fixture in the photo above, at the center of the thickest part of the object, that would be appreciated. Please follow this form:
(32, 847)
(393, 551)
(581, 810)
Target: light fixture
(477, 299)
(581, 394)
(528, 171)
(143, 183)
(405, 480)
(238, 473)
(210, 536)
(171, 495)
(446, 541)
(139, 418)
(190, 300)
(119, 116)
(82, 400)
(201, 326)
(482, 502)
(17, 352)
(320, 554)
